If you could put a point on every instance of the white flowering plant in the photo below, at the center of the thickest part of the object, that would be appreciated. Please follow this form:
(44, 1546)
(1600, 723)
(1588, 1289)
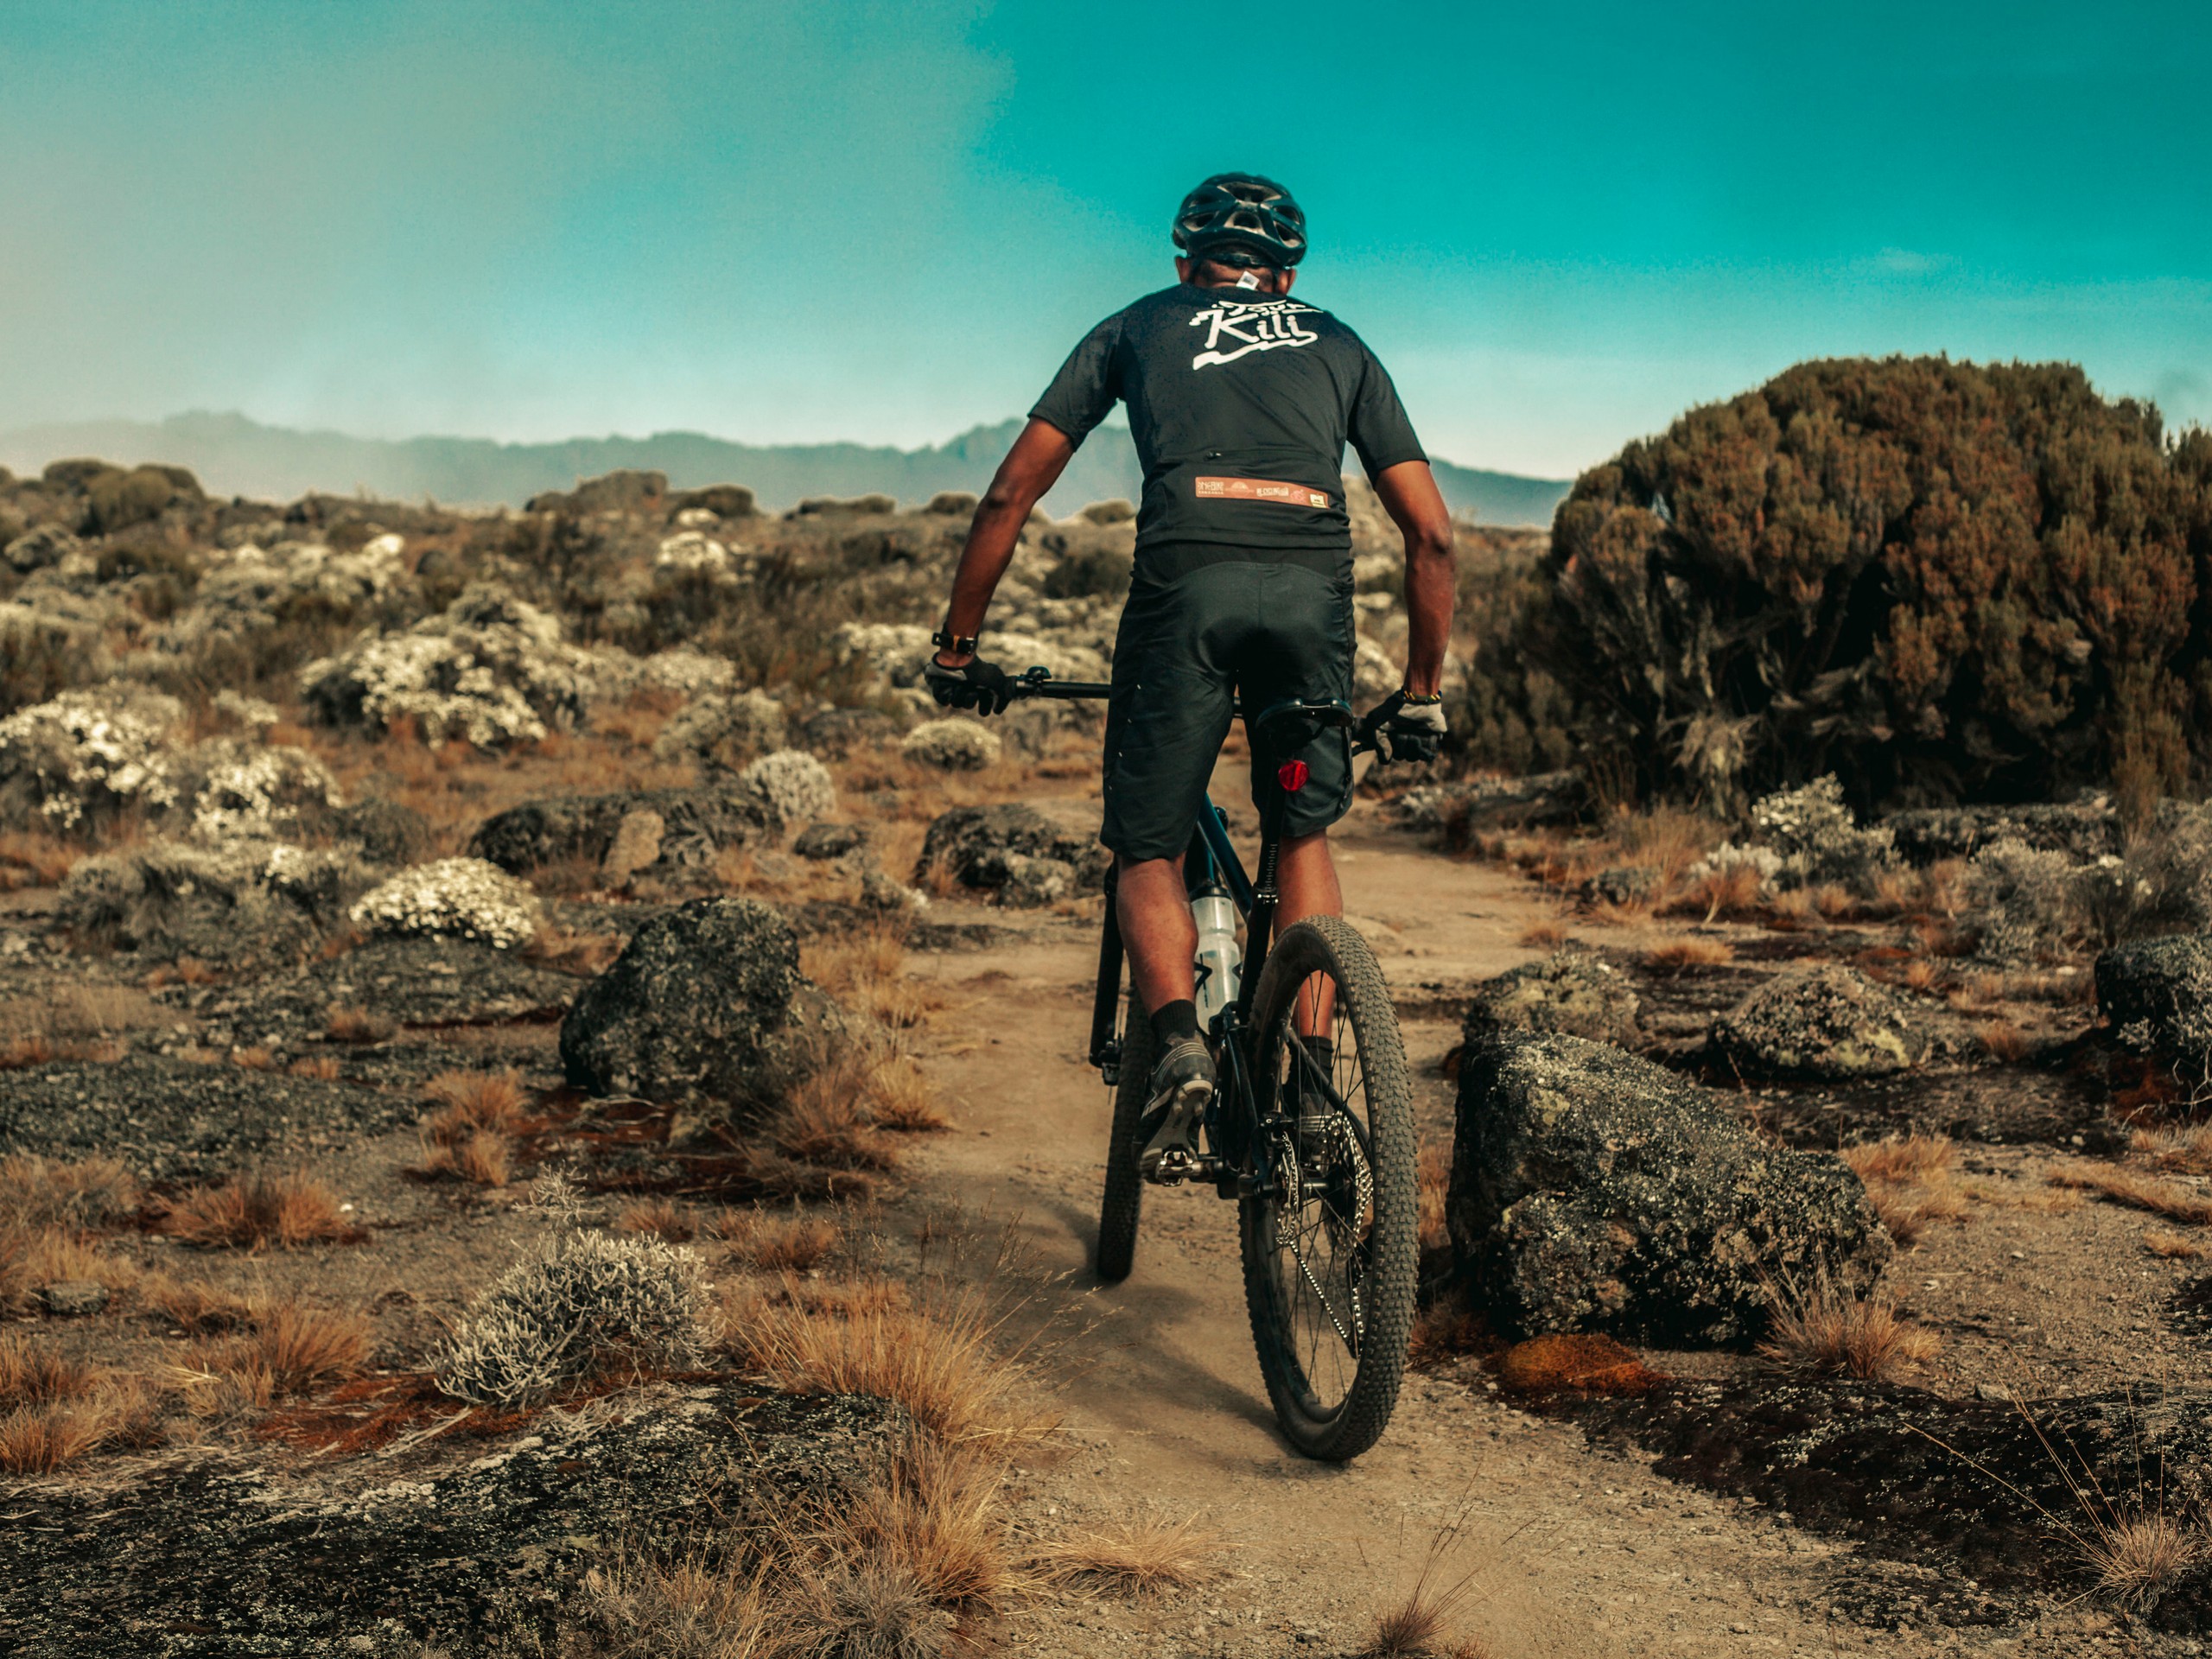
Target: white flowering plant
(89, 754)
(461, 898)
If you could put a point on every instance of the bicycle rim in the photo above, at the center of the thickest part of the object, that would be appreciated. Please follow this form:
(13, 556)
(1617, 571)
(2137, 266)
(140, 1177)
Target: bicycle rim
(1331, 1250)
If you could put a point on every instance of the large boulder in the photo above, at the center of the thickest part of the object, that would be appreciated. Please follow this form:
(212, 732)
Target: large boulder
(696, 825)
(1826, 1024)
(1591, 1190)
(2158, 994)
(691, 1008)
(1572, 993)
(1011, 849)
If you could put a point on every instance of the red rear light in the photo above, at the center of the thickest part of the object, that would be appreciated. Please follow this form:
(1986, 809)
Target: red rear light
(1292, 775)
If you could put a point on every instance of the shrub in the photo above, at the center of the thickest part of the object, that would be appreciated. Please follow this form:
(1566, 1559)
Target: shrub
(1933, 579)
(466, 897)
(591, 1303)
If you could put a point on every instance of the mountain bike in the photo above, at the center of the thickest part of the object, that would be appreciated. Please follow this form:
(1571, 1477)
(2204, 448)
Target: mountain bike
(1311, 1128)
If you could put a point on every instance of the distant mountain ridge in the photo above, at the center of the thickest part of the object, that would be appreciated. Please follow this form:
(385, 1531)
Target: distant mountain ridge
(233, 455)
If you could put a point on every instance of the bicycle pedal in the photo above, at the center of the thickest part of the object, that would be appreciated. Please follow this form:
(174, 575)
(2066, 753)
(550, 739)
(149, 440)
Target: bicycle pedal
(1176, 1167)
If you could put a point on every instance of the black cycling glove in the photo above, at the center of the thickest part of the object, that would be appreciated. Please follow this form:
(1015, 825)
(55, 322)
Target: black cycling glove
(974, 684)
(1402, 728)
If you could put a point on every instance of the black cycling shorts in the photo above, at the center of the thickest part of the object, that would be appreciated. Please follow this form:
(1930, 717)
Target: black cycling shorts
(1205, 624)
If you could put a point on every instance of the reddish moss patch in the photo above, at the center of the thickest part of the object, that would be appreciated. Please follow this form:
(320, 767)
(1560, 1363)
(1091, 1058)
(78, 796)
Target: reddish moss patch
(1574, 1363)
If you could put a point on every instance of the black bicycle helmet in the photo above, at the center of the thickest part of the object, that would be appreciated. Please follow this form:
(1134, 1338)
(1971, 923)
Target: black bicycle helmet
(1241, 218)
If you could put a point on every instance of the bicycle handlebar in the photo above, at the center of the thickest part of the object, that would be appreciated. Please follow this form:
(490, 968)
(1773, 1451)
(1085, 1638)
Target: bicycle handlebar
(1038, 682)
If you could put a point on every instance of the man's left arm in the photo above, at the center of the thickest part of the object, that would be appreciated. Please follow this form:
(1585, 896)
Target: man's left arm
(1409, 495)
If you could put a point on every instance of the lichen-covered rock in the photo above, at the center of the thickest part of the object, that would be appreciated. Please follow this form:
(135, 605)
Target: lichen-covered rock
(952, 746)
(979, 847)
(1591, 1190)
(236, 902)
(35, 549)
(490, 670)
(1632, 884)
(2157, 995)
(696, 825)
(691, 1008)
(80, 758)
(894, 650)
(822, 841)
(386, 831)
(636, 845)
(1828, 1023)
(456, 897)
(792, 787)
(1571, 992)
(727, 731)
(836, 733)
(488, 1550)
(257, 790)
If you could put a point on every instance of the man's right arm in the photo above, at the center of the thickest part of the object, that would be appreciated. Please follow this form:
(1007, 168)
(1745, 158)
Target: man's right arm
(1030, 467)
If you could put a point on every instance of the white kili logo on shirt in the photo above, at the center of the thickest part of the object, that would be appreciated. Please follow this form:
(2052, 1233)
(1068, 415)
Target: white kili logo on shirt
(1249, 328)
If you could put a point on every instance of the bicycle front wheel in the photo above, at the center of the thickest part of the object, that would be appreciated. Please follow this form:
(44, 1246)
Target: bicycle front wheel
(1330, 1245)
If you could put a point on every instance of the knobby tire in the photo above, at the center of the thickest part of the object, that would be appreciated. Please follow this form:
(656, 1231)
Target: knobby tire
(1341, 1429)
(1124, 1195)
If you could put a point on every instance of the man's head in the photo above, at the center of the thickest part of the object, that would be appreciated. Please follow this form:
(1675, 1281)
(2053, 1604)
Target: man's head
(1238, 229)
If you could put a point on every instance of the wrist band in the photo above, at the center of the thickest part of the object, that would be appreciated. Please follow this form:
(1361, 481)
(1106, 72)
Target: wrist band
(1433, 696)
(960, 644)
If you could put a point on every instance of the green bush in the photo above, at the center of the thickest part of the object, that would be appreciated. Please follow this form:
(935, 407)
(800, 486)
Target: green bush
(1937, 580)
(1511, 714)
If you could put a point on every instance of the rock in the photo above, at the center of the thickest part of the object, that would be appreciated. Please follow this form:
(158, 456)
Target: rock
(691, 1007)
(723, 501)
(1026, 882)
(1631, 885)
(836, 733)
(960, 502)
(951, 746)
(2084, 830)
(881, 892)
(1116, 512)
(2158, 994)
(386, 832)
(239, 903)
(173, 1120)
(424, 981)
(830, 840)
(981, 846)
(727, 731)
(455, 898)
(483, 1551)
(697, 824)
(636, 844)
(791, 787)
(1496, 803)
(1571, 993)
(1591, 1190)
(1828, 1023)
(73, 1299)
(622, 491)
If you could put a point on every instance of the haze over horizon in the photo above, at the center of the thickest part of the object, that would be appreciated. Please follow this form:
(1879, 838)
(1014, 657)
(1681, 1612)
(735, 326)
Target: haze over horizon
(887, 224)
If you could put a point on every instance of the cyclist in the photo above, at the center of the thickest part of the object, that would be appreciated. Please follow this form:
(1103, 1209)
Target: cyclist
(1241, 400)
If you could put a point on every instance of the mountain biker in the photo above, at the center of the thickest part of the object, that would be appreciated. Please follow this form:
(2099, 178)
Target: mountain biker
(1241, 400)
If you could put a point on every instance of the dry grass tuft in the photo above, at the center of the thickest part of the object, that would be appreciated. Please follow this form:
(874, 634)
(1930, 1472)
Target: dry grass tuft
(37, 1191)
(1690, 953)
(938, 1361)
(1910, 1181)
(1133, 1558)
(198, 1308)
(932, 1517)
(357, 1026)
(2139, 1191)
(2175, 1247)
(1921, 974)
(1421, 1625)
(1734, 892)
(253, 1060)
(2137, 1555)
(2002, 1041)
(900, 1098)
(1828, 1330)
(826, 1121)
(287, 1209)
(321, 1066)
(33, 1373)
(480, 1157)
(47, 1437)
(776, 1241)
(482, 1100)
(1434, 1183)
(1545, 936)
(2187, 1151)
(472, 1136)
(663, 1218)
(285, 1348)
(695, 1607)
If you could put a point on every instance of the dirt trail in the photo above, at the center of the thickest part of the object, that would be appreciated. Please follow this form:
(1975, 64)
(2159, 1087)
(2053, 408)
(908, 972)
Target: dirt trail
(1577, 1553)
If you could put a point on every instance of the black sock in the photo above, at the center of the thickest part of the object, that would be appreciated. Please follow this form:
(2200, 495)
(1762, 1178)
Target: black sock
(1323, 1053)
(1174, 1022)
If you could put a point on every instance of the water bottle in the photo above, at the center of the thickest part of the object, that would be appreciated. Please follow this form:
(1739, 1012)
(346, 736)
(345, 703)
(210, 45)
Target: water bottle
(1219, 958)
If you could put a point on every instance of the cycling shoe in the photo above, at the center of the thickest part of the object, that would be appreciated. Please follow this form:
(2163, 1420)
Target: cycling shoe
(1182, 1086)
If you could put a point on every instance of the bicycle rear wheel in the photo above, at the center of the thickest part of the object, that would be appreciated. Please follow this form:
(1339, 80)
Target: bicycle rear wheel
(1117, 1210)
(1331, 1249)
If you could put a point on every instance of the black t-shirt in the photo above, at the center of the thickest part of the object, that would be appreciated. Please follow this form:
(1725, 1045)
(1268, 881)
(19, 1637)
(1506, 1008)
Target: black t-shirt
(1241, 404)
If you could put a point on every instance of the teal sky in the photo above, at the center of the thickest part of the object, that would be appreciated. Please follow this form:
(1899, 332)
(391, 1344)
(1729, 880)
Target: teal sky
(1558, 227)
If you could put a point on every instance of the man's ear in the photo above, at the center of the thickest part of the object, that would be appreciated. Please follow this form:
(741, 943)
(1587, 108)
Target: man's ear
(1182, 269)
(1289, 276)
